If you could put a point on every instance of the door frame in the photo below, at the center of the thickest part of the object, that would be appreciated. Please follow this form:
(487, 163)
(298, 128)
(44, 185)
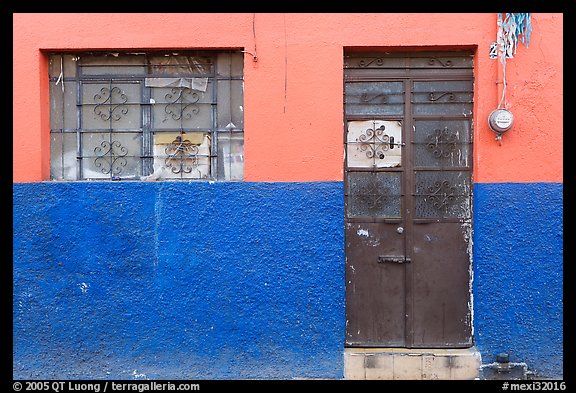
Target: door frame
(405, 75)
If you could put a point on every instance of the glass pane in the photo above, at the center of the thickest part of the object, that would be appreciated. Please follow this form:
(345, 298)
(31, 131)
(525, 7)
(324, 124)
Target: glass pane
(182, 156)
(374, 98)
(373, 194)
(93, 143)
(56, 156)
(176, 108)
(63, 156)
(440, 87)
(446, 155)
(442, 98)
(56, 109)
(111, 106)
(442, 143)
(443, 154)
(111, 154)
(189, 168)
(113, 64)
(181, 95)
(231, 156)
(443, 194)
(179, 65)
(374, 143)
(230, 99)
(230, 64)
(425, 129)
(443, 109)
(65, 64)
(63, 106)
(109, 167)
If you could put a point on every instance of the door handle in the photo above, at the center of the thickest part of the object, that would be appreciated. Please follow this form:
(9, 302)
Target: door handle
(393, 259)
(400, 229)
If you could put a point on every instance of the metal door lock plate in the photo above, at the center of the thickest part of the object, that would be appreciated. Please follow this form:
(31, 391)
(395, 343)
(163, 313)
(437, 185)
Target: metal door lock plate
(392, 259)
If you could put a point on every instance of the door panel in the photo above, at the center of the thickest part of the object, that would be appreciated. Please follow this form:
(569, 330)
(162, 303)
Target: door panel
(374, 244)
(441, 305)
(374, 320)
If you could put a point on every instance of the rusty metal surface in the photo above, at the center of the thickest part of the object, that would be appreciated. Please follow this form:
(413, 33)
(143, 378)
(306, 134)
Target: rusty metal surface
(375, 292)
(441, 309)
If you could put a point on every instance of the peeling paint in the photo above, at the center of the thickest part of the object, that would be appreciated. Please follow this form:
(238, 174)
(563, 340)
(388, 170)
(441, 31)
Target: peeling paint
(84, 287)
(373, 242)
(138, 375)
(363, 232)
(467, 232)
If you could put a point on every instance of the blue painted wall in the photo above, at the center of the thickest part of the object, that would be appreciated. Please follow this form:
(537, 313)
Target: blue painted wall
(178, 280)
(518, 276)
(246, 280)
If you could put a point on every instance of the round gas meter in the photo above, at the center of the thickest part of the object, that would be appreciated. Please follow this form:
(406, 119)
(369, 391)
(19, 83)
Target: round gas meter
(500, 120)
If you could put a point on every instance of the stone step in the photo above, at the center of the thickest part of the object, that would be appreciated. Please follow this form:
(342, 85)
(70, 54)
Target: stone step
(411, 364)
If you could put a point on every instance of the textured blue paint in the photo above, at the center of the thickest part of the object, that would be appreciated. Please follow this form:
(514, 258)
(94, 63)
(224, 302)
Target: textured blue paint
(518, 257)
(178, 280)
(246, 280)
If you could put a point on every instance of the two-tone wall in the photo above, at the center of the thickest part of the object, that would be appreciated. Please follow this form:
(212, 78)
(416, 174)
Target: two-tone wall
(246, 279)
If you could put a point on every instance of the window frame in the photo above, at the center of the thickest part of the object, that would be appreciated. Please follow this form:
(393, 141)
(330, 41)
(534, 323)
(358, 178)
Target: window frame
(219, 127)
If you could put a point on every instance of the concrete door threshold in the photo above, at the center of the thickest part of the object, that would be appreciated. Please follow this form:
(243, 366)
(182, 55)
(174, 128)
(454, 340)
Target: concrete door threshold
(404, 363)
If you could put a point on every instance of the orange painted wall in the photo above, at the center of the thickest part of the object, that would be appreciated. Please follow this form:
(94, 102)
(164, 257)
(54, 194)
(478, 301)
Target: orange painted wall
(293, 93)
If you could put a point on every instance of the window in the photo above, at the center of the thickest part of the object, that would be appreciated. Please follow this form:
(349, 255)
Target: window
(146, 116)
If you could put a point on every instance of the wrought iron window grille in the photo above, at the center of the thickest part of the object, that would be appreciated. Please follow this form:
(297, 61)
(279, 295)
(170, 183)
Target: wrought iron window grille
(142, 116)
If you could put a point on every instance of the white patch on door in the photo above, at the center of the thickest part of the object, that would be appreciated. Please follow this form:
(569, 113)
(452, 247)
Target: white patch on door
(374, 144)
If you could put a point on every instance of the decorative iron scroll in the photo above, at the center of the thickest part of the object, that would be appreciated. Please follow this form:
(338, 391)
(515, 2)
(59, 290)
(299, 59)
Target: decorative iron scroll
(446, 63)
(374, 142)
(371, 196)
(433, 97)
(181, 103)
(107, 98)
(379, 62)
(182, 156)
(110, 157)
(371, 97)
(441, 195)
(442, 143)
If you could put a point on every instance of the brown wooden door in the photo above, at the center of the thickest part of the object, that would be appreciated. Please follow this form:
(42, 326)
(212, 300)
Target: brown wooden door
(408, 195)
